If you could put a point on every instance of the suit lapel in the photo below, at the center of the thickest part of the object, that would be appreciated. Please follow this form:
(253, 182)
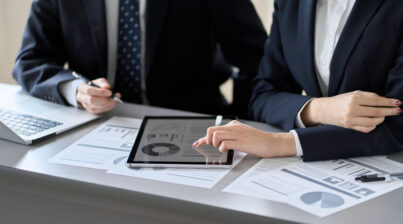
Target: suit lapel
(306, 31)
(155, 14)
(360, 16)
(95, 10)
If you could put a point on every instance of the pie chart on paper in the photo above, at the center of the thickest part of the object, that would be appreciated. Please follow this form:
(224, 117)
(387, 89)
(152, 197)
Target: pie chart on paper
(322, 199)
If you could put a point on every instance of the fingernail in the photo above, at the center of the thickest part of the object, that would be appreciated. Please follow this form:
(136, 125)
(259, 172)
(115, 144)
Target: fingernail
(398, 103)
(195, 143)
(399, 111)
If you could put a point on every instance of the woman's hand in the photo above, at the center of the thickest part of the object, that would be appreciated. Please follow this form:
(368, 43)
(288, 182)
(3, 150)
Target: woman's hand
(96, 100)
(358, 110)
(244, 138)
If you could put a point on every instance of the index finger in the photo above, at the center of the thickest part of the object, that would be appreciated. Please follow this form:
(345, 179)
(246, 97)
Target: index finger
(93, 91)
(202, 141)
(378, 101)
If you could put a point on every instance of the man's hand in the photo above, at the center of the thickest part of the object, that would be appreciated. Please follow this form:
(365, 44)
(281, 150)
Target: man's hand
(358, 110)
(96, 100)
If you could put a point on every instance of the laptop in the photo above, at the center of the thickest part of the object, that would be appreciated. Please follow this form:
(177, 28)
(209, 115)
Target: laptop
(27, 120)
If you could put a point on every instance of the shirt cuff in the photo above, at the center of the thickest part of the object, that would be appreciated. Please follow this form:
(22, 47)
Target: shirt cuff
(298, 120)
(69, 91)
(297, 143)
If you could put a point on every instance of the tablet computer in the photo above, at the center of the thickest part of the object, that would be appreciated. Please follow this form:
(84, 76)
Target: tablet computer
(168, 142)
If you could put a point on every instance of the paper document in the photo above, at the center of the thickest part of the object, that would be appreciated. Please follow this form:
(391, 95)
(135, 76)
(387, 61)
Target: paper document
(321, 188)
(205, 178)
(101, 148)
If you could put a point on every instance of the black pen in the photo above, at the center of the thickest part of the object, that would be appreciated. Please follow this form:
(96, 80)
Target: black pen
(89, 82)
(378, 177)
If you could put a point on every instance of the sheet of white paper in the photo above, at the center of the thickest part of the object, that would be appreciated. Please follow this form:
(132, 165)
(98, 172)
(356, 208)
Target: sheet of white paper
(108, 144)
(205, 178)
(320, 188)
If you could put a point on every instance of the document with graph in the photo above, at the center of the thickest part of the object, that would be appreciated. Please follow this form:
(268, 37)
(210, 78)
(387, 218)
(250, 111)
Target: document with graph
(104, 146)
(320, 188)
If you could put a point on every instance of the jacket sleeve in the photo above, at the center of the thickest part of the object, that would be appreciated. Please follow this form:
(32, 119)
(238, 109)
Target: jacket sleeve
(241, 35)
(330, 142)
(276, 97)
(39, 64)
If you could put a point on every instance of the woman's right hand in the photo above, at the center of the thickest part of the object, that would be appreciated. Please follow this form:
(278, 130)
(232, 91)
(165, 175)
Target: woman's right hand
(358, 110)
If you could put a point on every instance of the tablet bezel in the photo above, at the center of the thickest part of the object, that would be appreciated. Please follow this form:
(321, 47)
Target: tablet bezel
(131, 163)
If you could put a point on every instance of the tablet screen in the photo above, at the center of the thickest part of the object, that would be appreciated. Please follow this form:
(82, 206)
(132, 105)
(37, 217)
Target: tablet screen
(169, 141)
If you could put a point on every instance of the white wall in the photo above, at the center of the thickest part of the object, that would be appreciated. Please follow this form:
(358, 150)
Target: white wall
(13, 15)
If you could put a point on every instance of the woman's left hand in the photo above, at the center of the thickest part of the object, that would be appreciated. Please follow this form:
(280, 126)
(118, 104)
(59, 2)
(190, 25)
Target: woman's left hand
(244, 138)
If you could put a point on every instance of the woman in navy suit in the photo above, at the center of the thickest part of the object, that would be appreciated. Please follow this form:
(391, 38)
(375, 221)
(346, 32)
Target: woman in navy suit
(348, 58)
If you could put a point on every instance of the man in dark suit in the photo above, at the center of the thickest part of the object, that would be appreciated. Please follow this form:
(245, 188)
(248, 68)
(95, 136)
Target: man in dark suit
(348, 57)
(157, 52)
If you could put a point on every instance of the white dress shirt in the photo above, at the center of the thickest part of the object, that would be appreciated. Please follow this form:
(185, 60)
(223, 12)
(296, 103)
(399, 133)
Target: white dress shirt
(69, 89)
(331, 17)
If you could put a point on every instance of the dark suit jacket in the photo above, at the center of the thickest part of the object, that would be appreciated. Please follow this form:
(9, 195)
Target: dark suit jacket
(368, 57)
(181, 42)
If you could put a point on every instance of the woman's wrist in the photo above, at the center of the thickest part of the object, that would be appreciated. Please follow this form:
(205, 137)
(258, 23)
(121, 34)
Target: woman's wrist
(311, 115)
(282, 144)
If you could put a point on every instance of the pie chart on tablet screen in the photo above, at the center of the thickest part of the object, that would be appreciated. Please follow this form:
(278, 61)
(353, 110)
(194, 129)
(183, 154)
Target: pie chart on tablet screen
(160, 149)
(322, 199)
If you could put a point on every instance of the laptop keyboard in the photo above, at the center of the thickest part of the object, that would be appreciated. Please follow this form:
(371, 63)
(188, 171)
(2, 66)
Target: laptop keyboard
(24, 124)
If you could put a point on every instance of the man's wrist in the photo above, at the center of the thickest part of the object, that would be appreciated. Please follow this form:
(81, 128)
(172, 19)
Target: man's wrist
(68, 90)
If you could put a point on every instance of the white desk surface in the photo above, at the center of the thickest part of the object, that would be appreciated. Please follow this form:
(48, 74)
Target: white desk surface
(35, 191)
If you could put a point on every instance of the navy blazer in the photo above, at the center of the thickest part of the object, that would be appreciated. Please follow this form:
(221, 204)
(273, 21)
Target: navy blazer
(181, 43)
(368, 57)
